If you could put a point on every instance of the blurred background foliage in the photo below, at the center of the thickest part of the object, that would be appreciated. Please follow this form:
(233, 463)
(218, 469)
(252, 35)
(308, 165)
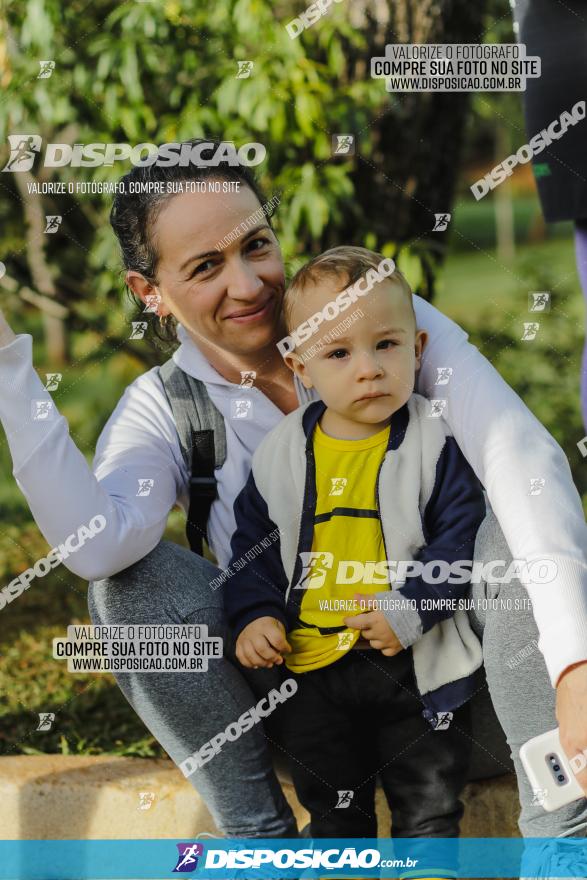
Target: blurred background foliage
(166, 71)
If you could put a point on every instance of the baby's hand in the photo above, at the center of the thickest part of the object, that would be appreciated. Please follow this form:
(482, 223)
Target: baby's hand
(374, 627)
(262, 643)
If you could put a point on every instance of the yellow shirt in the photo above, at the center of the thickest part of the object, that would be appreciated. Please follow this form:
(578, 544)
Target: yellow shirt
(346, 527)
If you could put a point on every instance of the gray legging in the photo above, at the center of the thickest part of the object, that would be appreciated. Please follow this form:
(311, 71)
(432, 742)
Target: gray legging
(184, 710)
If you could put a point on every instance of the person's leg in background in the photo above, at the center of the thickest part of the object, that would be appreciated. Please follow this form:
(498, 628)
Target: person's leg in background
(581, 255)
(520, 688)
(184, 710)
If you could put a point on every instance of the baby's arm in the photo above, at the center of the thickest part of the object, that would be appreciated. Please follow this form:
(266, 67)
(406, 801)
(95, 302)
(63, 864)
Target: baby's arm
(254, 584)
(452, 518)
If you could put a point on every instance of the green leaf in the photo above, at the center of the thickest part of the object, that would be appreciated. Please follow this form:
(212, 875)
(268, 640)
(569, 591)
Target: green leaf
(129, 74)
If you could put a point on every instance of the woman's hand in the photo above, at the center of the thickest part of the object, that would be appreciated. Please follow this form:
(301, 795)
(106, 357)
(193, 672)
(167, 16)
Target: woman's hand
(262, 643)
(571, 714)
(374, 627)
(6, 333)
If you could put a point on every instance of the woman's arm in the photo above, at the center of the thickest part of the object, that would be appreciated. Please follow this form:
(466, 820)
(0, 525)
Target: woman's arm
(509, 449)
(139, 442)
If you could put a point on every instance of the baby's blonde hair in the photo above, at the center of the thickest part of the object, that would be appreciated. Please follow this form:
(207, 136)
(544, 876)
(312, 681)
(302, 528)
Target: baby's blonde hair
(345, 263)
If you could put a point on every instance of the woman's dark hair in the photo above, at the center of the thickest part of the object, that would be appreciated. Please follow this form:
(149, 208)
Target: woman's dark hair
(133, 214)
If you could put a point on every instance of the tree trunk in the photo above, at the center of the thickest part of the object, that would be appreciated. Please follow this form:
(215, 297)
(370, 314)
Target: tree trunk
(503, 203)
(417, 139)
(54, 326)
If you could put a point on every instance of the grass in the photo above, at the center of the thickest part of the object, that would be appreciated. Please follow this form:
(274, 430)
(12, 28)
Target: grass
(473, 223)
(92, 717)
(475, 282)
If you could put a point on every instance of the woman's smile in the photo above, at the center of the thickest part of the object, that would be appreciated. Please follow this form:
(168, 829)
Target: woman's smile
(246, 316)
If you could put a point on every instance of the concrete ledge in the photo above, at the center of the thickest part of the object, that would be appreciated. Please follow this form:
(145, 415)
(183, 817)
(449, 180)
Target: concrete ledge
(69, 797)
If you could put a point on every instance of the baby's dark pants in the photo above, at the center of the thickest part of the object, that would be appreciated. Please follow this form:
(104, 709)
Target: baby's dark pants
(360, 718)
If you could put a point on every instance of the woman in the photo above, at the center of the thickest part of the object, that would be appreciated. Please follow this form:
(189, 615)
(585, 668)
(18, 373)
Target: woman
(226, 301)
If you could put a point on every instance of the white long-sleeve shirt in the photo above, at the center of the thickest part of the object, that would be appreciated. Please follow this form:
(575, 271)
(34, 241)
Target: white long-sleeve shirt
(505, 444)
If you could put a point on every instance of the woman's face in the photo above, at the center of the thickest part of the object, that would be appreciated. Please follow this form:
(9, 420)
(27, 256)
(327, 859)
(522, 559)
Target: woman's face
(227, 297)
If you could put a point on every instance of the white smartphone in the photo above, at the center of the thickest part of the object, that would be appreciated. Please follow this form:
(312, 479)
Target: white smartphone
(549, 772)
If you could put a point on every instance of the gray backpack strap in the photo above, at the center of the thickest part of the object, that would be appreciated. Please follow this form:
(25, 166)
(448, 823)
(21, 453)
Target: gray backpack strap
(202, 437)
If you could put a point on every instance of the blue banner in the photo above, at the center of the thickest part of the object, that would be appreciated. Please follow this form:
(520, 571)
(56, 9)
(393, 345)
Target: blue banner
(255, 859)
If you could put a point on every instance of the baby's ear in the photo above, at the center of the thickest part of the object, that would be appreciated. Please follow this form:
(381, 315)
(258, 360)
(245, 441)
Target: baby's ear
(420, 344)
(297, 366)
(294, 362)
(289, 359)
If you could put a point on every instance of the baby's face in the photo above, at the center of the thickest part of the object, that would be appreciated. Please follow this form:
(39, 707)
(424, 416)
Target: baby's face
(367, 372)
